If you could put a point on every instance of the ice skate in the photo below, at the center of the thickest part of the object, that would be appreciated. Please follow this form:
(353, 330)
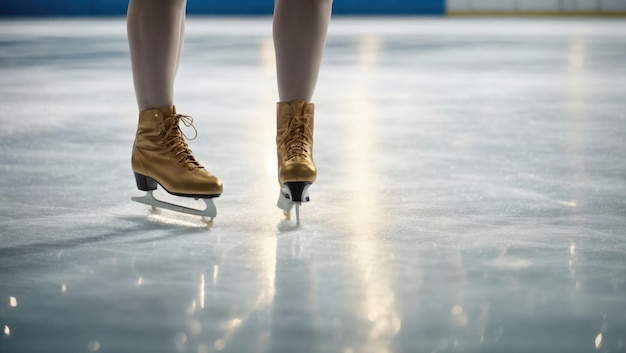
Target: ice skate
(161, 156)
(294, 146)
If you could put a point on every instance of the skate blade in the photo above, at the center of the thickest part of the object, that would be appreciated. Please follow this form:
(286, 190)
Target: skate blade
(148, 199)
(287, 194)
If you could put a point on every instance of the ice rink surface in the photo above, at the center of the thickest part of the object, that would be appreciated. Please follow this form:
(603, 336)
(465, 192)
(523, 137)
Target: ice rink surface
(471, 193)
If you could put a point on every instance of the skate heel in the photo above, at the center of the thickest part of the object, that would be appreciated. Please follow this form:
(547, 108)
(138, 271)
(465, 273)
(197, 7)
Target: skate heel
(145, 183)
(293, 194)
(298, 191)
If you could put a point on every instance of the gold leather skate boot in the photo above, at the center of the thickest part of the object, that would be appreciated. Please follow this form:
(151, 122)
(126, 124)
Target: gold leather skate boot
(294, 142)
(294, 148)
(161, 155)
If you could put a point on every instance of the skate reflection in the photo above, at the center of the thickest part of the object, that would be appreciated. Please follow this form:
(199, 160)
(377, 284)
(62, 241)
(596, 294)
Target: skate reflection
(232, 314)
(295, 312)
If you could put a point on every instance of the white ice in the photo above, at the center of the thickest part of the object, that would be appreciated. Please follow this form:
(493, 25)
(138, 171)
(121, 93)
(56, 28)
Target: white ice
(471, 192)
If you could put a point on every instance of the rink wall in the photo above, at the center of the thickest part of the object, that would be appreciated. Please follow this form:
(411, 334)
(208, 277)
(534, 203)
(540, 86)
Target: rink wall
(213, 7)
(536, 7)
(348, 7)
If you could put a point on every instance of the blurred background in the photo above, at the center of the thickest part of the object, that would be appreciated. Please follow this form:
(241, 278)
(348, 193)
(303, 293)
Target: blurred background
(255, 7)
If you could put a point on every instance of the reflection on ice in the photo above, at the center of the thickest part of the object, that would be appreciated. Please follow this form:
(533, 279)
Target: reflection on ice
(93, 346)
(201, 293)
(180, 340)
(216, 271)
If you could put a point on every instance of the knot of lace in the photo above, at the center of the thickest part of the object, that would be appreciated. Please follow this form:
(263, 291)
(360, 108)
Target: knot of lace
(297, 138)
(174, 140)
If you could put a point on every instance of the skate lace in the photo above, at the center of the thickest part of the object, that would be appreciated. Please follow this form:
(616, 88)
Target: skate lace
(174, 139)
(296, 139)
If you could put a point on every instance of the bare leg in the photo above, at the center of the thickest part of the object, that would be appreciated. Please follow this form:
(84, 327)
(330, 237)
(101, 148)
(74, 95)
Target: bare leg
(300, 28)
(155, 32)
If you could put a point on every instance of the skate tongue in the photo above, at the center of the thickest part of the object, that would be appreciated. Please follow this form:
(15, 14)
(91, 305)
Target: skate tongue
(296, 139)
